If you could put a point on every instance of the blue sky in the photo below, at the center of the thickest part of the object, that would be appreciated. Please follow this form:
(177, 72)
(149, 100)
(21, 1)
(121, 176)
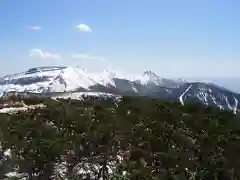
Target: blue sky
(173, 38)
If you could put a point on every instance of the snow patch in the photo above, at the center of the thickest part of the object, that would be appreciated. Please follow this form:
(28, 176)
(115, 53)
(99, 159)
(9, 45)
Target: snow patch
(235, 109)
(79, 95)
(7, 153)
(181, 97)
(228, 104)
(10, 110)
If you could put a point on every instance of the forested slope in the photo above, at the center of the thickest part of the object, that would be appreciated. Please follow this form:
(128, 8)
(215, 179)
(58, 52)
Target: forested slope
(135, 138)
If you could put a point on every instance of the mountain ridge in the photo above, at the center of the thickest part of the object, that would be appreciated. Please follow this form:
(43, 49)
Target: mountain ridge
(59, 79)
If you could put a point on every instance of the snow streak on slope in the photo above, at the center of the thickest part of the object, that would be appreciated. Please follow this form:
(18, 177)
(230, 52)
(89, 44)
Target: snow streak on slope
(227, 102)
(233, 107)
(181, 97)
(236, 106)
(202, 96)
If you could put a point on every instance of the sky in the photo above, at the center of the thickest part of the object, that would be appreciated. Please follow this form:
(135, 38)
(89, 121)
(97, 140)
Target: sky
(173, 38)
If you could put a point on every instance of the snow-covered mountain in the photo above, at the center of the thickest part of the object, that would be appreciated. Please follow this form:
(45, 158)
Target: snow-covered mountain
(47, 79)
(65, 80)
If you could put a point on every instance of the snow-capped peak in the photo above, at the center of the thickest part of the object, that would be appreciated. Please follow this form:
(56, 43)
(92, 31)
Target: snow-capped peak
(105, 78)
(150, 73)
(150, 77)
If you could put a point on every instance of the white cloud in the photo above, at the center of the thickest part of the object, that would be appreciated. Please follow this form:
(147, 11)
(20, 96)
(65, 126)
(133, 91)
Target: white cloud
(84, 28)
(88, 57)
(80, 56)
(36, 28)
(44, 54)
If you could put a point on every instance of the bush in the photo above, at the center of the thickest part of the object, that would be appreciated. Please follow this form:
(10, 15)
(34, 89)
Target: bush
(33, 100)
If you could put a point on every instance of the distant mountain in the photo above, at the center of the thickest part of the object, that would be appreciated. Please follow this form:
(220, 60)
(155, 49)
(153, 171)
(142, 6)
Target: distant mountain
(65, 80)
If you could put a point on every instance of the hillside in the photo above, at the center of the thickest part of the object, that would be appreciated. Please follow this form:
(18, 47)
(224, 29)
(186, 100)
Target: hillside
(56, 80)
(134, 138)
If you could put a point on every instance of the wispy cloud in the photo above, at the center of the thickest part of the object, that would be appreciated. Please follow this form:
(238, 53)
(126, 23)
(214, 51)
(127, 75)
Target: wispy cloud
(87, 57)
(36, 28)
(84, 28)
(44, 54)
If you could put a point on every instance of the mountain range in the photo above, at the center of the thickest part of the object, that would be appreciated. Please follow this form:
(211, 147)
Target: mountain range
(68, 81)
